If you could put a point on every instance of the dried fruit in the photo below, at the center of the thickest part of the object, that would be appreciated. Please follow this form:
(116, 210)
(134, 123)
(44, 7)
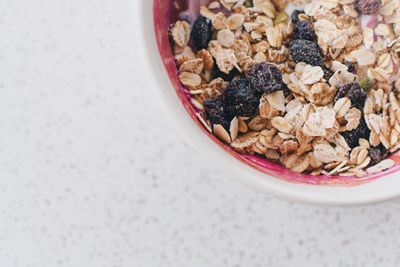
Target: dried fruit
(304, 29)
(286, 90)
(367, 6)
(327, 73)
(350, 66)
(354, 92)
(217, 73)
(201, 33)
(214, 112)
(306, 51)
(265, 78)
(378, 153)
(366, 84)
(240, 99)
(352, 137)
(295, 16)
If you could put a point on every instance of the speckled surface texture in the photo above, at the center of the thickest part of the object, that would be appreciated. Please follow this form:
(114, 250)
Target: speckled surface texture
(92, 174)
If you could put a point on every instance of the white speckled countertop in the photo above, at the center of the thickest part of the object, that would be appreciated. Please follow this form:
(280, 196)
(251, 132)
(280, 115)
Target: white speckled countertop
(93, 175)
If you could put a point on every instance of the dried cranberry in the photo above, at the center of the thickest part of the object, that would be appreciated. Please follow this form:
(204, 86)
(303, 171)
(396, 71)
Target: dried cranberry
(306, 51)
(367, 6)
(354, 92)
(295, 16)
(304, 29)
(214, 112)
(265, 78)
(240, 99)
(201, 33)
(361, 131)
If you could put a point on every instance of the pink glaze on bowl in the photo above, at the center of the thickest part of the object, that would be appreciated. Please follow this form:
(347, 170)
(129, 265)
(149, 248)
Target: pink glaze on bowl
(165, 13)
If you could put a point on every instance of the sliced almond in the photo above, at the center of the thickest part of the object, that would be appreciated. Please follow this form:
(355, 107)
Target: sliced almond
(221, 133)
(234, 128)
(381, 166)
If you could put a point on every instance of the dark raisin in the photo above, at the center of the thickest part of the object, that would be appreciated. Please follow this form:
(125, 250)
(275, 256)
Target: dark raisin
(378, 153)
(216, 73)
(286, 90)
(214, 112)
(304, 29)
(306, 51)
(295, 16)
(201, 33)
(361, 131)
(240, 99)
(265, 78)
(350, 66)
(367, 6)
(354, 92)
(327, 73)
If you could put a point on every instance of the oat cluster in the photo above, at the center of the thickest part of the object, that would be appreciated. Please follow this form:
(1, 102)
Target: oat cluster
(314, 90)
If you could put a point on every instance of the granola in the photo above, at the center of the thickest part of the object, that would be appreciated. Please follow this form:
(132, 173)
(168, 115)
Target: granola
(316, 91)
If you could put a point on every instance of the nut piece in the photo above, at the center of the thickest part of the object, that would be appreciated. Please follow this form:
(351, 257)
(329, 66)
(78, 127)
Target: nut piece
(181, 33)
(221, 133)
(281, 124)
(234, 128)
(381, 166)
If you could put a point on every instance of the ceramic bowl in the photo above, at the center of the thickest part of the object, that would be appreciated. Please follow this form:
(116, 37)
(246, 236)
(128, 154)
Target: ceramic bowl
(157, 16)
